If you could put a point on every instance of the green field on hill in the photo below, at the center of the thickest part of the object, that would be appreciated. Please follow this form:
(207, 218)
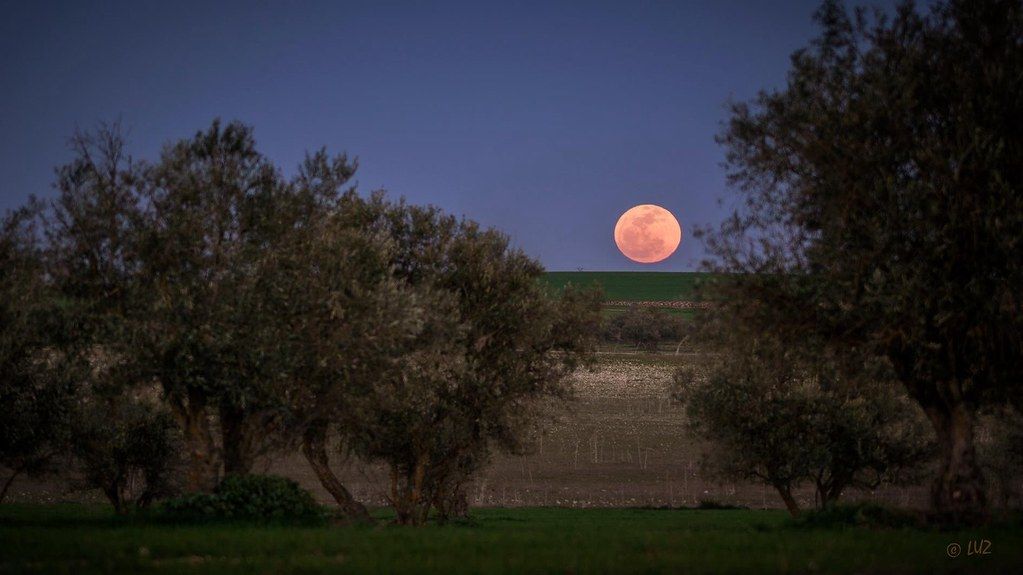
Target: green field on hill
(634, 286)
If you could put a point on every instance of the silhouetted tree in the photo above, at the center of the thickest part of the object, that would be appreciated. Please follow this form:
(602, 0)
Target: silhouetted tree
(1000, 452)
(127, 448)
(492, 345)
(267, 312)
(215, 211)
(785, 415)
(880, 208)
(193, 274)
(35, 403)
(646, 327)
(347, 319)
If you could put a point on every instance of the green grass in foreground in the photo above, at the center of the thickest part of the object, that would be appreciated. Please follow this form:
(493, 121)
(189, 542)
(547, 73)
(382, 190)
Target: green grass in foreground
(633, 286)
(79, 540)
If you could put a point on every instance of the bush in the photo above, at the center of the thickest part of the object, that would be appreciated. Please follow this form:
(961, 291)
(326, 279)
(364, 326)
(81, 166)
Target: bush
(710, 504)
(126, 448)
(259, 498)
(788, 415)
(868, 515)
(1000, 451)
(645, 327)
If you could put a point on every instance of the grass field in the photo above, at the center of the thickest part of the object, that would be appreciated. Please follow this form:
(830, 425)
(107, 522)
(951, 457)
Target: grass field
(76, 539)
(634, 286)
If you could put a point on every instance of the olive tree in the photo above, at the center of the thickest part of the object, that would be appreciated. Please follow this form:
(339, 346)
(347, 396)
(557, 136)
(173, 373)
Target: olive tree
(646, 327)
(785, 416)
(1000, 451)
(879, 207)
(126, 447)
(209, 276)
(493, 343)
(53, 394)
(347, 320)
(35, 402)
(268, 312)
(214, 210)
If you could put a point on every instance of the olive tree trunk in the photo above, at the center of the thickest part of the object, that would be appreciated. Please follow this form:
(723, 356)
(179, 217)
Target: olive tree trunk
(959, 493)
(239, 456)
(452, 503)
(411, 503)
(203, 470)
(829, 489)
(314, 448)
(790, 502)
(10, 480)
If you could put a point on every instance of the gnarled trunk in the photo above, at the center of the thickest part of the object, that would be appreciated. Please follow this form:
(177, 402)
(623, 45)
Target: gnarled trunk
(239, 455)
(10, 480)
(203, 472)
(314, 448)
(790, 502)
(959, 494)
(411, 503)
(829, 489)
(113, 493)
(453, 502)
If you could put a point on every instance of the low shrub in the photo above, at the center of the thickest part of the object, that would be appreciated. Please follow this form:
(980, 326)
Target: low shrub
(710, 504)
(868, 515)
(127, 448)
(256, 498)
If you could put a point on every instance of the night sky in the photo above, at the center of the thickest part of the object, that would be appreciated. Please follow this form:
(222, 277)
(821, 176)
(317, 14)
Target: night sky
(546, 120)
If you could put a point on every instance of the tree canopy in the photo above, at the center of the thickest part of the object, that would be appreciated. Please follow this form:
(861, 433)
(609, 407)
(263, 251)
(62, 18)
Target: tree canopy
(493, 343)
(879, 209)
(786, 414)
(267, 312)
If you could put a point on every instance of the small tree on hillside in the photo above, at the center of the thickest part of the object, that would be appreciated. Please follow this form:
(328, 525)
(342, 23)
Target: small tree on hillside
(646, 327)
(785, 416)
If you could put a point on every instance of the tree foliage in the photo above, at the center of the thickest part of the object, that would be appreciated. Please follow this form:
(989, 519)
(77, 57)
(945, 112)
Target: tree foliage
(210, 276)
(215, 215)
(36, 404)
(1000, 451)
(128, 448)
(646, 327)
(491, 345)
(879, 208)
(785, 416)
(348, 320)
(268, 313)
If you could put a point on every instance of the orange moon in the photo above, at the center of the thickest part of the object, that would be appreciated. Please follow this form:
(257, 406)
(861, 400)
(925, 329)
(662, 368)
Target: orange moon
(647, 234)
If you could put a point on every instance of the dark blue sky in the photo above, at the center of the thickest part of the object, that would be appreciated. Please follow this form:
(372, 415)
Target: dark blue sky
(546, 119)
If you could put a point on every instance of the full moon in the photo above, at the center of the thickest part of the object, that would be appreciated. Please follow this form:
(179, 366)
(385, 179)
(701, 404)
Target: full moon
(647, 233)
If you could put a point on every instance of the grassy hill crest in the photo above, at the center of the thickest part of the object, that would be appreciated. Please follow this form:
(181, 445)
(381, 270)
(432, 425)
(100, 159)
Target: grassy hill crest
(634, 286)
